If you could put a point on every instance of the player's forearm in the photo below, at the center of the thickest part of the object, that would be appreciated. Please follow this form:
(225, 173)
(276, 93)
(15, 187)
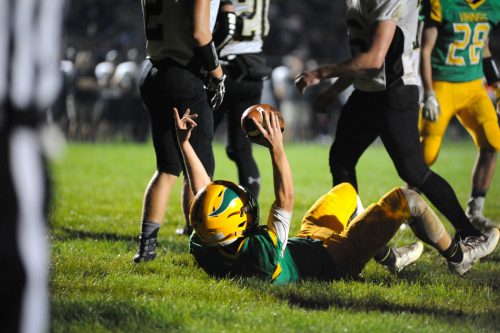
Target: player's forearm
(283, 184)
(341, 84)
(203, 38)
(429, 37)
(426, 70)
(197, 175)
(350, 68)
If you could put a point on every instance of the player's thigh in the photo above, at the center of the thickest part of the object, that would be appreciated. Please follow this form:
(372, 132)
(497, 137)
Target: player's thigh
(432, 133)
(370, 231)
(356, 128)
(333, 211)
(481, 121)
(163, 88)
(237, 140)
(202, 135)
(445, 96)
(400, 135)
(399, 121)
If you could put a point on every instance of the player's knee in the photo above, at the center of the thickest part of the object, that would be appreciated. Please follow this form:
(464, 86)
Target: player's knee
(169, 169)
(430, 148)
(239, 155)
(414, 175)
(416, 203)
(342, 171)
(492, 133)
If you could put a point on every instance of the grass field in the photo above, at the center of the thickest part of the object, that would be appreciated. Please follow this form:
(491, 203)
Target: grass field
(96, 288)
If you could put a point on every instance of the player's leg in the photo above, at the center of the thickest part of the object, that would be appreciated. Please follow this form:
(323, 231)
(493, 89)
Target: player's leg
(432, 133)
(330, 213)
(239, 149)
(356, 130)
(481, 121)
(368, 233)
(460, 254)
(400, 136)
(161, 88)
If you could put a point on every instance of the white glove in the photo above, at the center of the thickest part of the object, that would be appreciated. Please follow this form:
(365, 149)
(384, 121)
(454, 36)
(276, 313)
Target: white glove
(216, 91)
(431, 107)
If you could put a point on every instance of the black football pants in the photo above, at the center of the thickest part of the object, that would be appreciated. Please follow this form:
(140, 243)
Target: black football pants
(391, 115)
(166, 85)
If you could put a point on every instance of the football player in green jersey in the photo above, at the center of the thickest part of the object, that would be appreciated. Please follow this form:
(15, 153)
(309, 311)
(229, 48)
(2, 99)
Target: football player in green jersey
(455, 57)
(336, 239)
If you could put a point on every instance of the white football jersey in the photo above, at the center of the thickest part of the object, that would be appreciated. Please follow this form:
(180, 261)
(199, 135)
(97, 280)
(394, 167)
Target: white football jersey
(255, 27)
(399, 65)
(169, 28)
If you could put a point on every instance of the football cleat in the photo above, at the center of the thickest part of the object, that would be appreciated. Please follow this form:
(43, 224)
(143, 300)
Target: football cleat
(475, 248)
(147, 249)
(405, 256)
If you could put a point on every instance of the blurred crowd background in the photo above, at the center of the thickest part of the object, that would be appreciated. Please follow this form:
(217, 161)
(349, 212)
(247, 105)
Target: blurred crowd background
(104, 47)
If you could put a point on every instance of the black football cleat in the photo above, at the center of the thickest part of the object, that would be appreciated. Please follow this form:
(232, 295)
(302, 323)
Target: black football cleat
(147, 250)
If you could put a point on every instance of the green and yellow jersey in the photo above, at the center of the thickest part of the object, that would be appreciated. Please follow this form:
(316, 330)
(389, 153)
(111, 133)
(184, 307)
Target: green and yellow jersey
(261, 255)
(463, 28)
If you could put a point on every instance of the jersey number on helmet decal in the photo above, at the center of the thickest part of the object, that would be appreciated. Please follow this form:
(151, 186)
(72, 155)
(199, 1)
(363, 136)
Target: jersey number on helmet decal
(479, 37)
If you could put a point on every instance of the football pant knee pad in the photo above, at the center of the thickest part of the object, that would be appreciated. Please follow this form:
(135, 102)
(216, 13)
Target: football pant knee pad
(423, 221)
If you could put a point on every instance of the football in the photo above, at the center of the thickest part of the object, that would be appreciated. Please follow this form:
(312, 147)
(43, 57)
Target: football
(256, 112)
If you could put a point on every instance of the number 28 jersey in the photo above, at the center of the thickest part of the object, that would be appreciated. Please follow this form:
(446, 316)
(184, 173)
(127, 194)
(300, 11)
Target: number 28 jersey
(463, 29)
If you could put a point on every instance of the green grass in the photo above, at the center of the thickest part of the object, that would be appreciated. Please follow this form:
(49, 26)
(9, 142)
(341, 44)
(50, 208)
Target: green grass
(95, 288)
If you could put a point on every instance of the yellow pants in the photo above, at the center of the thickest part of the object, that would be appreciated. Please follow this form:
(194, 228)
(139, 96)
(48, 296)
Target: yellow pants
(351, 245)
(470, 103)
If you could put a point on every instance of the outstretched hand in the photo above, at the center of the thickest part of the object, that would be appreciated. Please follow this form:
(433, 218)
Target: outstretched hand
(184, 125)
(271, 134)
(307, 79)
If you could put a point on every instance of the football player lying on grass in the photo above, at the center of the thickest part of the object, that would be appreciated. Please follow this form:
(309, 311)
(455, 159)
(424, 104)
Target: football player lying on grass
(333, 241)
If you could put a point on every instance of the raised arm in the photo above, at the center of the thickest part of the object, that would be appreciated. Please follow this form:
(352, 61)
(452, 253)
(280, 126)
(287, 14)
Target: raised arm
(372, 59)
(196, 173)
(281, 210)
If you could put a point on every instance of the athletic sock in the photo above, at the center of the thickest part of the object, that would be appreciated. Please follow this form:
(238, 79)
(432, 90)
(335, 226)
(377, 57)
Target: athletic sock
(149, 229)
(453, 253)
(441, 194)
(385, 257)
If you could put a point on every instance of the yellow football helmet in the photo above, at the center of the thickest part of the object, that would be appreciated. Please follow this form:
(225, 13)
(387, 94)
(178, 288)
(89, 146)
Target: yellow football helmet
(222, 212)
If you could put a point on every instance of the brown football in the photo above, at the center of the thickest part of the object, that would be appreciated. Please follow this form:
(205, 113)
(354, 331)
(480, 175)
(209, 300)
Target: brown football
(256, 111)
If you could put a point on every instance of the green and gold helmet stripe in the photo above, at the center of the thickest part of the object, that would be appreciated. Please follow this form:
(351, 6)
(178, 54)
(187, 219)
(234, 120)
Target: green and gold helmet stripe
(228, 196)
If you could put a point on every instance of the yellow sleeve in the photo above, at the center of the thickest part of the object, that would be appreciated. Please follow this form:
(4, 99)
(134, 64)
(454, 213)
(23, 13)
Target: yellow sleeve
(435, 10)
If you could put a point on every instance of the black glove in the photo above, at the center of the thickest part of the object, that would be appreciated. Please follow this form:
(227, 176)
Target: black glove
(216, 91)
